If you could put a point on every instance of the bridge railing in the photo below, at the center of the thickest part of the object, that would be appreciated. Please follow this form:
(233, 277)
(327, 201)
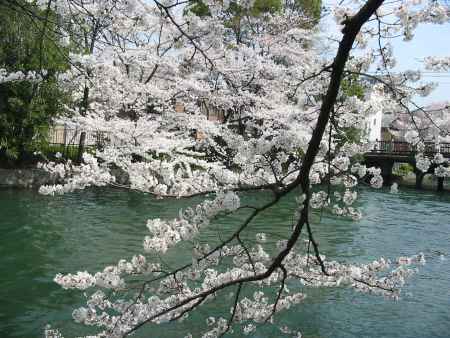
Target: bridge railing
(401, 147)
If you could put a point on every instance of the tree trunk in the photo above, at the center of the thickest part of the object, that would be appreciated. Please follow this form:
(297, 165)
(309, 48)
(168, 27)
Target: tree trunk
(440, 184)
(419, 179)
(81, 146)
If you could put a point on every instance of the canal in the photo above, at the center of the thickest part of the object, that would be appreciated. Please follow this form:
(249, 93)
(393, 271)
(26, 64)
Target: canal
(42, 235)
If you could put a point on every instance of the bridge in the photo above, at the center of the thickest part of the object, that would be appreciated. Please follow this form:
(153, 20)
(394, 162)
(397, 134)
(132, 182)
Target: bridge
(385, 154)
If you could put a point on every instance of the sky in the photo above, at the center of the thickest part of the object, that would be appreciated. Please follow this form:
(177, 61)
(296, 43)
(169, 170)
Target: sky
(429, 40)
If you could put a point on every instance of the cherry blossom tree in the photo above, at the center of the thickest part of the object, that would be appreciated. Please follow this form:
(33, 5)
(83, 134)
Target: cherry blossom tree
(284, 122)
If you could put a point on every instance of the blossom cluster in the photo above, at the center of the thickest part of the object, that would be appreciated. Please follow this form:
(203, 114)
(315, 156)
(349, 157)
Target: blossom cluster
(116, 315)
(346, 176)
(438, 165)
(166, 234)
(192, 105)
(5, 76)
(89, 173)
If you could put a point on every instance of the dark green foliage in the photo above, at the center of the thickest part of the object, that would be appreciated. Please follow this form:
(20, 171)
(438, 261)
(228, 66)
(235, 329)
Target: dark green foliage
(235, 12)
(351, 135)
(351, 86)
(261, 7)
(27, 44)
(198, 8)
(68, 152)
(404, 169)
(312, 8)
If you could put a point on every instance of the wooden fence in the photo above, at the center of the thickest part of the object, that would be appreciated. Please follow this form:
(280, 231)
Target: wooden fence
(61, 135)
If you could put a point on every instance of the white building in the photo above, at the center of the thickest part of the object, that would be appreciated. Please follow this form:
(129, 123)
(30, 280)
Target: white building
(373, 126)
(374, 119)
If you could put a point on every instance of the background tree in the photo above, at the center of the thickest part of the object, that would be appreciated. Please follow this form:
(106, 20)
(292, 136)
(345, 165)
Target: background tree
(29, 46)
(294, 101)
(257, 70)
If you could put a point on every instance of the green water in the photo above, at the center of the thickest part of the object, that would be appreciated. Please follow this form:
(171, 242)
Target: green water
(41, 236)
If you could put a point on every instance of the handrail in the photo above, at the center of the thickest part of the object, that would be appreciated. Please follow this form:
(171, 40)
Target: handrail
(401, 147)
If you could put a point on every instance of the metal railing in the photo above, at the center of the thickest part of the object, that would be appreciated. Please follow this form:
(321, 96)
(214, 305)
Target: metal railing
(405, 148)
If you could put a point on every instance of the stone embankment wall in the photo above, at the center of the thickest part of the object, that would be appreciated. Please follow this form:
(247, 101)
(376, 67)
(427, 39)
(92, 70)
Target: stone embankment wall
(24, 178)
(34, 178)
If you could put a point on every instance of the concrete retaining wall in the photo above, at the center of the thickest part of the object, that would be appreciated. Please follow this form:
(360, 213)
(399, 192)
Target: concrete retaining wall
(24, 178)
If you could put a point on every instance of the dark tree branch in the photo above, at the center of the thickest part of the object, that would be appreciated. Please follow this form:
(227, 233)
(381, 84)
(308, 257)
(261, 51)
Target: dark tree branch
(351, 28)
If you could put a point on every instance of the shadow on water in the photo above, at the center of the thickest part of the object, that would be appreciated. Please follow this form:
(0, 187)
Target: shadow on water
(88, 230)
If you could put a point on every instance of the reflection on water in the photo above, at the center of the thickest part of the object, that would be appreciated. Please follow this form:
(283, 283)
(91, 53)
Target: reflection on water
(41, 236)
